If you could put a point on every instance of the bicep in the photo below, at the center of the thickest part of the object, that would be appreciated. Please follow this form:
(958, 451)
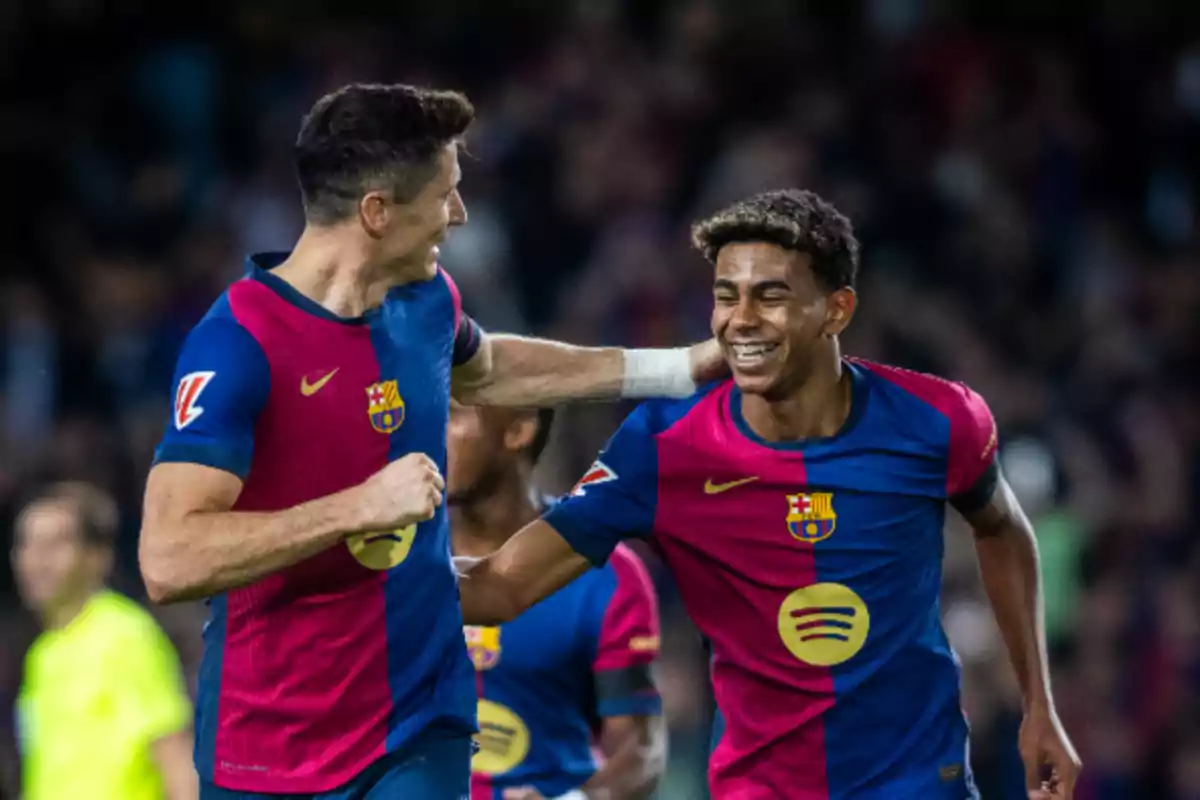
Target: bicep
(472, 371)
(1000, 513)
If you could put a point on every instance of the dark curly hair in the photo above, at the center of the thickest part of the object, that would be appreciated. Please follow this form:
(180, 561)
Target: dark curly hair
(794, 219)
(373, 136)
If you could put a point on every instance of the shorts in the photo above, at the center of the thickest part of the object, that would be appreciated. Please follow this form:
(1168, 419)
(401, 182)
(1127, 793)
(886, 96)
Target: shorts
(437, 768)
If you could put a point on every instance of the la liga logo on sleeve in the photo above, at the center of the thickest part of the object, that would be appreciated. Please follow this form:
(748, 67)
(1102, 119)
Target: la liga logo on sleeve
(191, 386)
(599, 473)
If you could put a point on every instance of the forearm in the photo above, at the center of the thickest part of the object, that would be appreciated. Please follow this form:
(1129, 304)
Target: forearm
(486, 597)
(1009, 566)
(527, 372)
(207, 552)
(633, 768)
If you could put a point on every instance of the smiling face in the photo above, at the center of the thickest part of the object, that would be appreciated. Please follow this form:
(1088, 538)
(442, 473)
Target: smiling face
(771, 316)
(408, 232)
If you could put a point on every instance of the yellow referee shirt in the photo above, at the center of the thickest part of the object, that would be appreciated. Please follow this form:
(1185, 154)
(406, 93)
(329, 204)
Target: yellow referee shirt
(96, 695)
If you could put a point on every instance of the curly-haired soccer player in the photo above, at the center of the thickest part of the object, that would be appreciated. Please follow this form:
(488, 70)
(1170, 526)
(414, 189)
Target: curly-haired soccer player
(800, 507)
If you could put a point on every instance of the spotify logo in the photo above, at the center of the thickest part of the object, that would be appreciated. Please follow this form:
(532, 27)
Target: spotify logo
(823, 624)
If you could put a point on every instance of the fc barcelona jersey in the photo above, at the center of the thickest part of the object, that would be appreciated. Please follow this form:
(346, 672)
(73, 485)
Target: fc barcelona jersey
(314, 672)
(814, 570)
(545, 679)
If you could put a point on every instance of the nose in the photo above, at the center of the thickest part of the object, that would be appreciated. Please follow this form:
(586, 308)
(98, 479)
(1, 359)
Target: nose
(458, 210)
(745, 315)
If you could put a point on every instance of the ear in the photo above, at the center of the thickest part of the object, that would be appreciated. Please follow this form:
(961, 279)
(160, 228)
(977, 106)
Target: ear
(839, 310)
(519, 433)
(374, 212)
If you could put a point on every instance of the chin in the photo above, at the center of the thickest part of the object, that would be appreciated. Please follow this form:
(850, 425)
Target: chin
(754, 383)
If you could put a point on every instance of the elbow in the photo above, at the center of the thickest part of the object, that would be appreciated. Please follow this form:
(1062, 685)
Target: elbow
(165, 580)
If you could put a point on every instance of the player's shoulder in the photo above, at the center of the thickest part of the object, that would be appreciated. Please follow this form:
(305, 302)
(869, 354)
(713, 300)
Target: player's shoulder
(951, 398)
(628, 568)
(659, 415)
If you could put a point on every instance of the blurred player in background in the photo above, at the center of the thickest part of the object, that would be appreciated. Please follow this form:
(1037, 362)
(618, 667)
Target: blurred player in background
(800, 507)
(299, 482)
(102, 713)
(573, 670)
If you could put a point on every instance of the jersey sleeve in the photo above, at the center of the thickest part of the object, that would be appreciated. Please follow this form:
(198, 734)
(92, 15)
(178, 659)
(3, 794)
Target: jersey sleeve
(148, 681)
(972, 471)
(628, 642)
(222, 380)
(616, 497)
(467, 333)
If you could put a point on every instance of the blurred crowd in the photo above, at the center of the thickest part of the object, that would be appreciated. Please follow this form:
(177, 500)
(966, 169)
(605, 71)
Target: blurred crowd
(1026, 199)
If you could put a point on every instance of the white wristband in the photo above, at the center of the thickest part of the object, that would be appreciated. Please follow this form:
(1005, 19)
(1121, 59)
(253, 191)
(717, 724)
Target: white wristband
(657, 373)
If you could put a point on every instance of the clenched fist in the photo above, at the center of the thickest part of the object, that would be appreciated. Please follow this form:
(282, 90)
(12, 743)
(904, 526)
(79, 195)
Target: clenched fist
(405, 492)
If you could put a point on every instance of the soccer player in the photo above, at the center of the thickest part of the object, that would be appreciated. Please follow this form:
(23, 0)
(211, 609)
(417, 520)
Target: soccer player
(102, 711)
(299, 482)
(800, 508)
(578, 661)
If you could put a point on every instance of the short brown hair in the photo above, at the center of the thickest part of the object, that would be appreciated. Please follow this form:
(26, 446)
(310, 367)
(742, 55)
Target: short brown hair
(794, 219)
(369, 135)
(94, 510)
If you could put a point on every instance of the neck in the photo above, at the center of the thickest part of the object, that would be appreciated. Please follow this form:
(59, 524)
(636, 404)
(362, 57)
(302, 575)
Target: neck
(481, 525)
(334, 267)
(61, 614)
(818, 408)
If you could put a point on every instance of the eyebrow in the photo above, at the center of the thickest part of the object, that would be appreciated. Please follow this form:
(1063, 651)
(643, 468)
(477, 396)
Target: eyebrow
(760, 286)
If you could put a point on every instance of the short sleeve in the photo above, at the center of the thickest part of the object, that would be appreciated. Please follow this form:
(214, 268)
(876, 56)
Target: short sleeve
(467, 333)
(616, 497)
(628, 642)
(222, 380)
(972, 472)
(153, 701)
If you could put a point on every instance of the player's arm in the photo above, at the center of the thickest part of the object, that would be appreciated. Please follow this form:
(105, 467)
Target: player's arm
(632, 737)
(614, 500)
(519, 371)
(505, 370)
(1009, 566)
(173, 756)
(192, 545)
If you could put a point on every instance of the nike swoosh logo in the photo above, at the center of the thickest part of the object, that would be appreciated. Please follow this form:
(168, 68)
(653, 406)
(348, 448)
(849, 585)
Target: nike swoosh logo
(309, 389)
(717, 488)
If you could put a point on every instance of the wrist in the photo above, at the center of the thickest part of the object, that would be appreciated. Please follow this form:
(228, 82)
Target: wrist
(657, 372)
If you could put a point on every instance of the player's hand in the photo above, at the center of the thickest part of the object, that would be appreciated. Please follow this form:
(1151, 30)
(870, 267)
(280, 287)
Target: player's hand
(406, 491)
(708, 362)
(523, 793)
(1051, 763)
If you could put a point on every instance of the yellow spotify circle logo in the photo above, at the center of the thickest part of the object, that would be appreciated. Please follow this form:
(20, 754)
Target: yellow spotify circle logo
(503, 740)
(382, 550)
(824, 624)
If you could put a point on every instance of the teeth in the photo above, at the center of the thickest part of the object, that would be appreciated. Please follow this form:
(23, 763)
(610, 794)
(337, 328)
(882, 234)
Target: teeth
(752, 350)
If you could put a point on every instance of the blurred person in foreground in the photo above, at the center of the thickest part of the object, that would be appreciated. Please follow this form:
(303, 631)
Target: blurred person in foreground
(102, 711)
(571, 672)
(299, 483)
(800, 507)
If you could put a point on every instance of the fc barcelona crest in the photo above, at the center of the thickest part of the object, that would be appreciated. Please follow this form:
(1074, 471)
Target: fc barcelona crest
(483, 645)
(385, 406)
(811, 517)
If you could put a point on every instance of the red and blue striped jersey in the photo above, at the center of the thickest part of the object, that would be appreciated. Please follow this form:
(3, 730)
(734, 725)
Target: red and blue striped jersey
(547, 678)
(312, 673)
(814, 569)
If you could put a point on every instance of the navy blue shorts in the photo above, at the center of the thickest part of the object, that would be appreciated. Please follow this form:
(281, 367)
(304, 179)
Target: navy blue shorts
(437, 768)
